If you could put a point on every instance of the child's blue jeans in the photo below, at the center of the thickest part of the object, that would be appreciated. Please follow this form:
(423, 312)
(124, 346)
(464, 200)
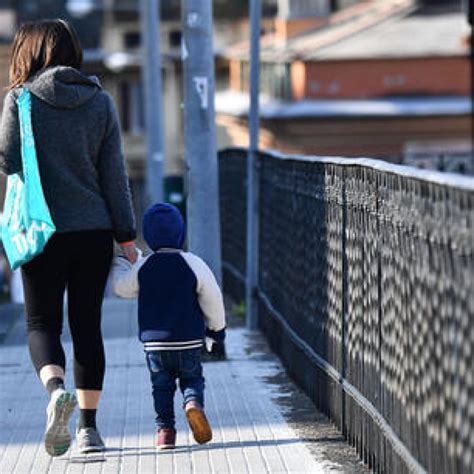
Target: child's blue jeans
(167, 366)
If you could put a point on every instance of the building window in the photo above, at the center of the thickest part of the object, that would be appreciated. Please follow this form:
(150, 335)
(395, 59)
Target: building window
(132, 40)
(175, 39)
(132, 107)
(244, 76)
(276, 80)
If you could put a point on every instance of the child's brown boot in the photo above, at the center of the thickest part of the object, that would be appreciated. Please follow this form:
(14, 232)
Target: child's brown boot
(198, 422)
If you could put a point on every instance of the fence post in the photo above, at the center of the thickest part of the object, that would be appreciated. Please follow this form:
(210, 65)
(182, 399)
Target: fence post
(345, 298)
(252, 166)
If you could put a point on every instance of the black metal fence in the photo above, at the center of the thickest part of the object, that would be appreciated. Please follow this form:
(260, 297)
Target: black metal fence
(366, 291)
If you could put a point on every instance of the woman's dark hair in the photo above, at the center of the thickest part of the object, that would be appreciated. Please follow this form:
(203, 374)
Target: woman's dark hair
(42, 44)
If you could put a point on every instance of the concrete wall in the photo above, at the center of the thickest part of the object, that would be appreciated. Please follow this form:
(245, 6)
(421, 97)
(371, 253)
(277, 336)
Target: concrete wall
(4, 66)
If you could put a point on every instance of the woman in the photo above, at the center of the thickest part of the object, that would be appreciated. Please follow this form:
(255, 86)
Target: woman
(85, 184)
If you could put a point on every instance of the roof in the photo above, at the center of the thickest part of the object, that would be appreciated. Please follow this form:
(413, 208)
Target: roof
(237, 104)
(385, 29)
(413, 35)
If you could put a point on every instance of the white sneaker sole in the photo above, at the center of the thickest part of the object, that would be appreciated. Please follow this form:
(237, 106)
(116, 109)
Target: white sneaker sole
(57, 438)
(92, 449)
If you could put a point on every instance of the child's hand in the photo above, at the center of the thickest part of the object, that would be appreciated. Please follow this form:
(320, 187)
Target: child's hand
(129, 251)
(125, 275)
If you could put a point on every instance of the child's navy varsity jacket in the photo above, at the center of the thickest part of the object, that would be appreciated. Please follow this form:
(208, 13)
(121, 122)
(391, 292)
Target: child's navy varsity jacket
(179, 301)
(178, 298)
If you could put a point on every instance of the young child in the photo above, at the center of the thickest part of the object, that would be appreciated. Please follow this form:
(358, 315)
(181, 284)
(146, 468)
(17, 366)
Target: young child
(179, 304)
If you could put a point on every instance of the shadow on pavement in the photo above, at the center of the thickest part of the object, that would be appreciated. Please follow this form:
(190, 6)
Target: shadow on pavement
(151, 451)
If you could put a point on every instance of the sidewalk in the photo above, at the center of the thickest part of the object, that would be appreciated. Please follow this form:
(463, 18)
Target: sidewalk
(252, 434)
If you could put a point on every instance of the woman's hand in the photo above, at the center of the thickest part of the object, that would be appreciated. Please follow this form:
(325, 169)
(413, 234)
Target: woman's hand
(129, 251)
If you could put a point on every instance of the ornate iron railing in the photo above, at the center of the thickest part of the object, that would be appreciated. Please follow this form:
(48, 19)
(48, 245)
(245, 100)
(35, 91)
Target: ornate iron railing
(366, 291)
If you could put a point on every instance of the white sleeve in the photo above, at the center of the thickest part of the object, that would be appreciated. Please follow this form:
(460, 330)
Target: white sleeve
(125, 276)
(208, 291)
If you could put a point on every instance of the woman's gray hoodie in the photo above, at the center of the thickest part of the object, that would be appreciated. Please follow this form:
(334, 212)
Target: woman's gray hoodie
(79, 150)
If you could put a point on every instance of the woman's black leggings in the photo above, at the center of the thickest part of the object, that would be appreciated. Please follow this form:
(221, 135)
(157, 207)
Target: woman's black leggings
(80, 263)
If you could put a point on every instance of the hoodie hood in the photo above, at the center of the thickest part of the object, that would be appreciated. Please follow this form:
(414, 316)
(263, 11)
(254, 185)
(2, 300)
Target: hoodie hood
(63, 87)
(163, 226)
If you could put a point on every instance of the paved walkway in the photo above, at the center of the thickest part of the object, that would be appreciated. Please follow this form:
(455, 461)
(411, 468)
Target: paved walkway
(251, 434)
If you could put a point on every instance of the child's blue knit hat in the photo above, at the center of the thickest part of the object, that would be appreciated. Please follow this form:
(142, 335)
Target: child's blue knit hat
(163, 226)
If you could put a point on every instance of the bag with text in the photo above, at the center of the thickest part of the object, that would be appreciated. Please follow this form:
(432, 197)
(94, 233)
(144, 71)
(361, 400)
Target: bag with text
(27, 225)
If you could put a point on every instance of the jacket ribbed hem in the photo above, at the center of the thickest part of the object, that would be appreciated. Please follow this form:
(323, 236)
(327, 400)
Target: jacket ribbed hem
(172, 346)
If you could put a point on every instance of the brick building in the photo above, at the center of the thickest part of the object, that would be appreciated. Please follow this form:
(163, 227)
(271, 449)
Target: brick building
(376, 78)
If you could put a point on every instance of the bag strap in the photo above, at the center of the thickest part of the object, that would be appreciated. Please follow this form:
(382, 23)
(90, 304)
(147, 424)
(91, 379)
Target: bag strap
(29, 158)
(24, 117)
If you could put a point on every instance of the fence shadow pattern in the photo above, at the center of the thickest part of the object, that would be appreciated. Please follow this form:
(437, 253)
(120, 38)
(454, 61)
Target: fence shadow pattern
(366, 291)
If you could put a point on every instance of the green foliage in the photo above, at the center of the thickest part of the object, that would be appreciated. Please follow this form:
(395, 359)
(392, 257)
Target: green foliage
(239, 309)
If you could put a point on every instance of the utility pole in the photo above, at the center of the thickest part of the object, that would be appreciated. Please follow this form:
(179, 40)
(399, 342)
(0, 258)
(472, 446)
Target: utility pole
(151, 76)
(200, 133)
(252, 175)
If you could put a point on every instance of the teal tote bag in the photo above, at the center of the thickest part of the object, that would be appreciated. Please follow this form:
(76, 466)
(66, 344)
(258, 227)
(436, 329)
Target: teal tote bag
(27, 225)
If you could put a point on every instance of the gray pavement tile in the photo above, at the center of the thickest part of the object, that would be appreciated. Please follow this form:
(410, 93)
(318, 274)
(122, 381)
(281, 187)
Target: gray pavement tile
(251, 434)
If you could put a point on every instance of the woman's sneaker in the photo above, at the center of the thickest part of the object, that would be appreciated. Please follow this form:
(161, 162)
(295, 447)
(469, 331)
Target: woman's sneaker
(198, 422)
(89, 441)
(166, 438)
(57, 437)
